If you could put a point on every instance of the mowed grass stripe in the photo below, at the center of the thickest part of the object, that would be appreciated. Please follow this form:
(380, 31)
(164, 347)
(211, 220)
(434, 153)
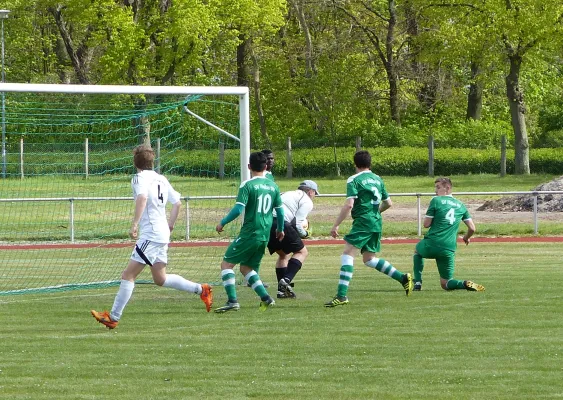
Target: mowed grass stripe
(504, 343)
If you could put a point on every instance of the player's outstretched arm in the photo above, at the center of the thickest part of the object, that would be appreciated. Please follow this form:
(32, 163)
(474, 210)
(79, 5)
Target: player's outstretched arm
(344, 212)
(470, 230)
(140, 204)
(231, 216)
(174, 215)
(385, 205)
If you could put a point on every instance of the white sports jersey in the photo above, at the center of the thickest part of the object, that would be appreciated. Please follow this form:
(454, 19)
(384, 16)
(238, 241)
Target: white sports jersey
(153, 225)
(296, 204)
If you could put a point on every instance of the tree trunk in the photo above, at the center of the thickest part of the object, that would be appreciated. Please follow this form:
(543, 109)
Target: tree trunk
(517, 116)
(80, 56)
(242, 67)
(475, 95)
(258, 101)
(390, 65)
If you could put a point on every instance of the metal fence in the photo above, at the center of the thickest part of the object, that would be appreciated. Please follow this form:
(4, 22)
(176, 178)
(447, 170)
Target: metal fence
(189, 202)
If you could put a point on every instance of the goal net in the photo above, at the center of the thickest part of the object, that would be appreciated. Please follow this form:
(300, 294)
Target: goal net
(65, 195)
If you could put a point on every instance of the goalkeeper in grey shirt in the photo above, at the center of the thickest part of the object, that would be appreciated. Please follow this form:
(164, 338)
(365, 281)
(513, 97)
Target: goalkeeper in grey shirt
(297, 204)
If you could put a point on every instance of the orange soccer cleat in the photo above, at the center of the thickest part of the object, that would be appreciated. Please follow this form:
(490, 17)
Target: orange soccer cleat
(206, 296)
(104, 318)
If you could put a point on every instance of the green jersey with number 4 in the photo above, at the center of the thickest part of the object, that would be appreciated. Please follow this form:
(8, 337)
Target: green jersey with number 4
(259, 196)
(368, 190)
(446, 213)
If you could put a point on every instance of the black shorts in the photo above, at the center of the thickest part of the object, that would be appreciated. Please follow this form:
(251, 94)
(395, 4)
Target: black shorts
(291, 242)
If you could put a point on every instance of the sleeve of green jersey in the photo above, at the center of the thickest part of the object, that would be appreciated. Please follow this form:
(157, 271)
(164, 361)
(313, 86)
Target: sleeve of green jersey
(466, 215)
(351, 190)
(233, 214)
(384, 194)
(242, 196)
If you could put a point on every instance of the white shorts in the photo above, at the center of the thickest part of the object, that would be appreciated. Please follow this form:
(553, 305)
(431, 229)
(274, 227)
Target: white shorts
(149, 253)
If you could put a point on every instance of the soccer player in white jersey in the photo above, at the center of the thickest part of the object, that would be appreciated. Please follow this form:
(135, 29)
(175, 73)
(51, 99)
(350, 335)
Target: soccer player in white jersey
(151, 229)
(291, 251)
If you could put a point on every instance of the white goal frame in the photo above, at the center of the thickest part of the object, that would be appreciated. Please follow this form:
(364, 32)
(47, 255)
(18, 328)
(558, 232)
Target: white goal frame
(241, 91)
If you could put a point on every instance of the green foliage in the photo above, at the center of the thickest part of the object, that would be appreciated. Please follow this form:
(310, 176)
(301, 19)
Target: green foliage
(320, 162)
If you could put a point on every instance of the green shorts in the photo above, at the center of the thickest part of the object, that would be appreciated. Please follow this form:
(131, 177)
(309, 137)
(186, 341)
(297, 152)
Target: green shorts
(366, 241)
(247, 252)
(445, 259)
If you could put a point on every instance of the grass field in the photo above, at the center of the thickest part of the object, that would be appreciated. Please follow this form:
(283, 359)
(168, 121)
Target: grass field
(505, 343)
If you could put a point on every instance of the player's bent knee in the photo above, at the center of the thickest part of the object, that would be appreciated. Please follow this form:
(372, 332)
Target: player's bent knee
(303, 252)
(159, 281)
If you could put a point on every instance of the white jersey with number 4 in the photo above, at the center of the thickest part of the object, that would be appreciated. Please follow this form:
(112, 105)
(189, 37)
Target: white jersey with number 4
(153, 225)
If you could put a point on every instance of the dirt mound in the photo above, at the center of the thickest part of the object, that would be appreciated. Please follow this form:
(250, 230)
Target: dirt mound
(546, 202)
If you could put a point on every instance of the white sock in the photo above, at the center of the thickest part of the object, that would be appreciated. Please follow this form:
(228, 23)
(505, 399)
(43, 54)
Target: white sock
(121, 298)
(179, 283)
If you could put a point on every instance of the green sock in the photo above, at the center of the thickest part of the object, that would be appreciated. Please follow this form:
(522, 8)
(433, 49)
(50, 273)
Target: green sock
(254, 281)
(385, 267)
(418, 266)
(228, 278)
(454, 284)
(346, 272)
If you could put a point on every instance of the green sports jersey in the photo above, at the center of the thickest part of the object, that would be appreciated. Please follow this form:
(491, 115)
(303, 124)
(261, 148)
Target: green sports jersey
(259, 196)
(446, 213)
(269, 175)
(368, 190)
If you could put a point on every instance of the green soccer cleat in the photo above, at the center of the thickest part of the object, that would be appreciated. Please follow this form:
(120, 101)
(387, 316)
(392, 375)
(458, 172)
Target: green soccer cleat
(228, 307)
(264, 305)
(337, 301)
(408, 284)
(473, 287)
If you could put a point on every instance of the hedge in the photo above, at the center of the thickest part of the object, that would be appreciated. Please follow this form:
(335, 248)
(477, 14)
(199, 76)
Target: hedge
(319, 162)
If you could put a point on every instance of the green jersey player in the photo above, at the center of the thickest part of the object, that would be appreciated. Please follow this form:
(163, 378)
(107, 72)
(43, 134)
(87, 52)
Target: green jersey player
(366, 199)
(258, 197)
(443, 217)
(269, 164)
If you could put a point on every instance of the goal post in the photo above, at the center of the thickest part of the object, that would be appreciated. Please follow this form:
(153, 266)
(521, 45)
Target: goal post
(65, 195)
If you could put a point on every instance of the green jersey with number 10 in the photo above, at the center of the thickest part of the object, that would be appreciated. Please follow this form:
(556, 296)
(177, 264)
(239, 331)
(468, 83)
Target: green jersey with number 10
(368, 190)
(446, 213)
(259, 196)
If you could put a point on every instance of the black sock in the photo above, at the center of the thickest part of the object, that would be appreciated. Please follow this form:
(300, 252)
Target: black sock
(293, 267)
(280, 273)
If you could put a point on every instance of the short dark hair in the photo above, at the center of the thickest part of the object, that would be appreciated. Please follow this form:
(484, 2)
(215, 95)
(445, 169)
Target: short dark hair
(143, 157)
(444, 180)
(362, 159)
(257, 161)
(267, 151)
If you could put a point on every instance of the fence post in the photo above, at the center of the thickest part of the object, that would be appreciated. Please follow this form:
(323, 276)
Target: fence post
(535, 213)
(418, 215)
(289, 158)
(86, 151)
(187, 219)
(21, 157)
(71, 220)
(503, 156)
(221, 160)
(158, 155)
(430, 155)
(358, 143)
